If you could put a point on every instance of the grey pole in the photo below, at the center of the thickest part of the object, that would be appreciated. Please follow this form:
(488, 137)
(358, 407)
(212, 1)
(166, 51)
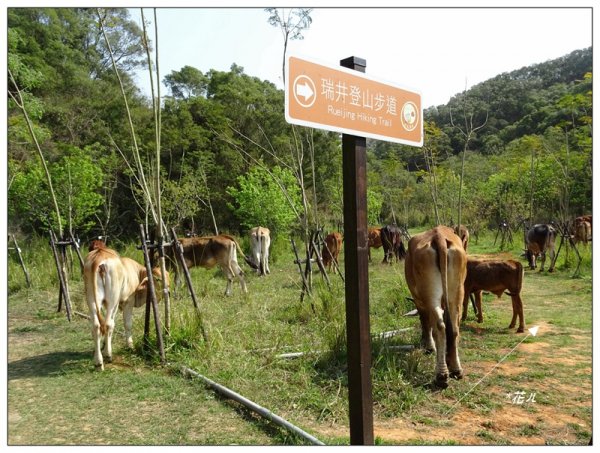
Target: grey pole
(252, 406)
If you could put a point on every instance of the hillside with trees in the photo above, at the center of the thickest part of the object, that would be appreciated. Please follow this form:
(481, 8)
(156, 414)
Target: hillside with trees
(229, 160)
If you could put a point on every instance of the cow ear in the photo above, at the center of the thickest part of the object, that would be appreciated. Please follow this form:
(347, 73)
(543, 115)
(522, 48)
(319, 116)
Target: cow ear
(143, 284)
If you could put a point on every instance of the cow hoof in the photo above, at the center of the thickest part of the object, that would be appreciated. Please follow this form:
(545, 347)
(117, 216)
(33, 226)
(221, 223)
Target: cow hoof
(520, 330)
(458, 375)
(108, 359)
(480, 320)
(99, 367)
(441, 381)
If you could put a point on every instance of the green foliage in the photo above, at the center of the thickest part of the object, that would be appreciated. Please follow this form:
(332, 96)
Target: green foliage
(270, 199)
(76, 180)
(186, 83)
(374, 204)
(218, 124)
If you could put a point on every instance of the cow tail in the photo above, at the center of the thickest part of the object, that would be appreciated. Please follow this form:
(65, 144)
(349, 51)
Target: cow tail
(261, 265)
(521, 273)
(442, 249)
(248, 261)
(102, 275)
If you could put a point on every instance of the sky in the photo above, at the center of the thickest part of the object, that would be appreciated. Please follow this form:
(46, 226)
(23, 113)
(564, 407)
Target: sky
(436, 51)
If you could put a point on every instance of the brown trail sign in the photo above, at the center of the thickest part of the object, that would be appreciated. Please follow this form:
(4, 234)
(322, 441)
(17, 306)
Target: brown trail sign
(346, 100)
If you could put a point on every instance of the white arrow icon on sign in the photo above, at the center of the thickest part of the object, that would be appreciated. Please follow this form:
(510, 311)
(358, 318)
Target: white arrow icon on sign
(304, 91)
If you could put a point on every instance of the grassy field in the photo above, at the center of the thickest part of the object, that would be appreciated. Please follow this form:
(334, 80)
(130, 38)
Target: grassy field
(540, 393)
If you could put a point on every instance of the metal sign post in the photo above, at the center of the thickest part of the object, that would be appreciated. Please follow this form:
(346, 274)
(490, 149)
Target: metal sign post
(354, 170)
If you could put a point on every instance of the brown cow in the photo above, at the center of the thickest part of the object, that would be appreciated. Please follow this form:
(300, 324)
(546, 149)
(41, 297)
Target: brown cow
(463, 234)
(495, 276)
(374, 239)
(207, 252)
(435, 269)
(96, 244)
(584, 218)
(582, 232)
(331, 249)
(113, 282)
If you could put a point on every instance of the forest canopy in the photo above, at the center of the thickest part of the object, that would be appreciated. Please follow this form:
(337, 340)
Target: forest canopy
(224, 139)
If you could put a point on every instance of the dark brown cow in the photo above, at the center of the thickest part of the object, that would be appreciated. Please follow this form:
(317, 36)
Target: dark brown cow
(435, 269)
(208, 252)
(495, 276)
(331, 249)
(540, 239)
(113, 281)
(391, 239)
(374, 239)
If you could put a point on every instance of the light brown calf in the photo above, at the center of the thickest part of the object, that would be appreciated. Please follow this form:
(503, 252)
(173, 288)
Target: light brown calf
(495, 276)
(113, 282)
(260, 241)
(583, 232)
(374, 239)
(435, 269)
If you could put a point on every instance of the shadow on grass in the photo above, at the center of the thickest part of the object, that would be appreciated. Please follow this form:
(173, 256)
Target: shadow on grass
(50, 364)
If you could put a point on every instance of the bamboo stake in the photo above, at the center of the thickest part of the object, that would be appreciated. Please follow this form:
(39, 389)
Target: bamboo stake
(136, 152)
(21, 104)
(76, 245)
(159, 224)
(21, 261)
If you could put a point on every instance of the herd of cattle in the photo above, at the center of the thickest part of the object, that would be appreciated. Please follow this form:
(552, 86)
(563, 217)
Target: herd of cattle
(439, 275)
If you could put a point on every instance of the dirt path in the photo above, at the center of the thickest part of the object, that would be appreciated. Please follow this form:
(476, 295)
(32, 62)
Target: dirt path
(554, 370)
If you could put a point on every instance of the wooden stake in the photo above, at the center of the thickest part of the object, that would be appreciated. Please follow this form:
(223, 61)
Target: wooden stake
(178, 249)
(305, 288)
(64, 291)
(151, 299)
